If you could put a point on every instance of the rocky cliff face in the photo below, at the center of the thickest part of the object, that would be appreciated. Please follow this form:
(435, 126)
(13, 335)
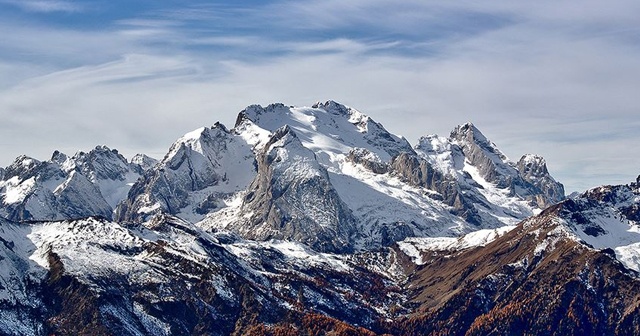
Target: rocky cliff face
(292, 199)
(491, 163)
(198, 173)
(418, 172)
(528, 179)
(533, 169)
(471, 175)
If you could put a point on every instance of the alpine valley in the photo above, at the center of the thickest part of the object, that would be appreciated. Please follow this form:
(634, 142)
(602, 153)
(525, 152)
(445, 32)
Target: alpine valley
(313, 221)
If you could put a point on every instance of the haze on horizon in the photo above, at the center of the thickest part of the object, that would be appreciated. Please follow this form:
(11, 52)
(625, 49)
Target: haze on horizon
(551, 78)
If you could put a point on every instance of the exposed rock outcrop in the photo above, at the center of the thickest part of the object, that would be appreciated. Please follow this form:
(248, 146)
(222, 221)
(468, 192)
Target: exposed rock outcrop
(200, 169)
(292, 199)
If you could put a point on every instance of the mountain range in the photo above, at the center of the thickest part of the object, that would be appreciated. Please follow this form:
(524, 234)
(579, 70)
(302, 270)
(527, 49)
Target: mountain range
(313, 220)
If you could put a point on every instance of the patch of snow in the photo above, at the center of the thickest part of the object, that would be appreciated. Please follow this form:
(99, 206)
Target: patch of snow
(415, 246)
(150, 209)
(151, 324)
(16, 191)
(193, 135)
(115, 191)
(295, 253)
(507, 209)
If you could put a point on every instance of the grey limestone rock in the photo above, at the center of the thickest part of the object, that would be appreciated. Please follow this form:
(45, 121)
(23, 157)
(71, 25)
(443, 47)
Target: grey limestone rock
(197, 161)
(528, 179)
(368, 160)
(292, 198)
(533, 169)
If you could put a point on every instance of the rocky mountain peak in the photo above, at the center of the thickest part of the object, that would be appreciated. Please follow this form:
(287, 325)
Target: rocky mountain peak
(102, 163)
(22, 166)
(466, 130)
(200, 169)
(255, 112)
(281, 137)
(334, 107)
(143, 161)
(59, 157)
(468, 135)
(531, 165)
(484, 155)
(89, 183)
(66, 163)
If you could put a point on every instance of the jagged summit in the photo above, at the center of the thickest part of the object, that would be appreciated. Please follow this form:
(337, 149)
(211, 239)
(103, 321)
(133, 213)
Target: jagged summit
(143, 161)
(199, 171)
(469, 132)
(85, 184)
(334, 107)
(59, 157)
(479, 149)
(532, 167)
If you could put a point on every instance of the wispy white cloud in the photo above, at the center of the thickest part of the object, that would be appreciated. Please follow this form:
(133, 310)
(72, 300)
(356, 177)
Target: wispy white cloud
(46, 6)
(543, 77)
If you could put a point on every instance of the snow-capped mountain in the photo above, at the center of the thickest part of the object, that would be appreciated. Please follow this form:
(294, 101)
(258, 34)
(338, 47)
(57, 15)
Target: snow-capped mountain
(86, 184)
(201, 170)
(311, 220)
(327, 175)
(331, 177)
(392, 190)
(484, 186)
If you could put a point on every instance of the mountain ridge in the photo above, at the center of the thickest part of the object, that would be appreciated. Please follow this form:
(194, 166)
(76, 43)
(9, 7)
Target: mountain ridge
(313, 220)
(447, 187)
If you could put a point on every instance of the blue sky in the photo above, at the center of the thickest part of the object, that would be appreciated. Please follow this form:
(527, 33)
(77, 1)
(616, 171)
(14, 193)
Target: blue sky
(555, 78)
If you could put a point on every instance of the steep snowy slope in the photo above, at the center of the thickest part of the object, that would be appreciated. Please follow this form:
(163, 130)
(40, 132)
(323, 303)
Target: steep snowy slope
(608, 217)
(87, 184)
(329, 129)
(21, 303)
(491, 187)
(202, 171)
(603, 218)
